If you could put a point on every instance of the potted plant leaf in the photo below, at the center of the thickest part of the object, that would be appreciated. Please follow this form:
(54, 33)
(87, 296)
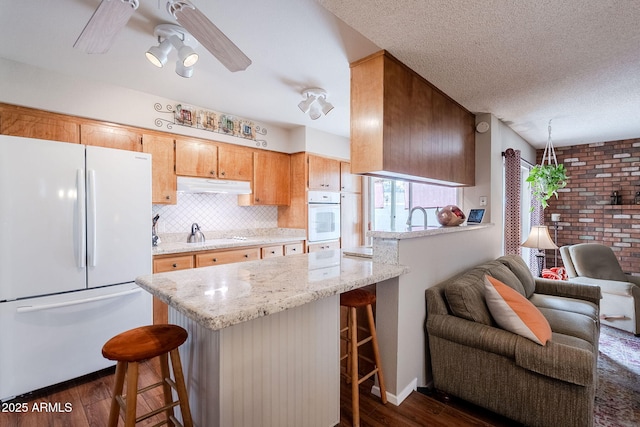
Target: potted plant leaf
(548, 177)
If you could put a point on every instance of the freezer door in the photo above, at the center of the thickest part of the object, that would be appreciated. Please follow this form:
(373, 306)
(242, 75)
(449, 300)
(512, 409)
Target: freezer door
(47, 340)
(41, 217)
(118, 215)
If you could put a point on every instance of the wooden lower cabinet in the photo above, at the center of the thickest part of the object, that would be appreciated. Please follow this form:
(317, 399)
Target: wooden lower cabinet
(207, 259)
(323, 246)
(272, 251)
(293, 248)
(162, 265)
(165, 263)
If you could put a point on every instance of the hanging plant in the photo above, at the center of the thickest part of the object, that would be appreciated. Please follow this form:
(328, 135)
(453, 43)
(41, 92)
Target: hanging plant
(548, 177)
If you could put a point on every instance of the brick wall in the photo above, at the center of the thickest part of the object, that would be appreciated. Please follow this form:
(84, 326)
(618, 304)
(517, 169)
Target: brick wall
(586, 213)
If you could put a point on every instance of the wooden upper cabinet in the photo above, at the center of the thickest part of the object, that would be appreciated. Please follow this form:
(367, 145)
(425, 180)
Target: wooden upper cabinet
(271, 183)
(349, 182)
(404, 127)
(195, 157)
(163, 174)
(235, 163)
(324, 173)
(110, 136)
(38, 125)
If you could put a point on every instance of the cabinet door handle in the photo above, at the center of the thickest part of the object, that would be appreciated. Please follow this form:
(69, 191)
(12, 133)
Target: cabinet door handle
(213, 172)
(222, 173)
(168, 197)
(273, 252)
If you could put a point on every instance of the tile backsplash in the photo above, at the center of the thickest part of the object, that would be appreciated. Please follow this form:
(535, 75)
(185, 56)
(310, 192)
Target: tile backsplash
(213, 212)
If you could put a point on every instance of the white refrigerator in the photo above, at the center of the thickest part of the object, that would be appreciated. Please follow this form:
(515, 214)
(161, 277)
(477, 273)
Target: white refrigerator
(75, 231)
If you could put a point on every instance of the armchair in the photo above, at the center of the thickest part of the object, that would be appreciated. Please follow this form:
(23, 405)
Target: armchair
(595, 264)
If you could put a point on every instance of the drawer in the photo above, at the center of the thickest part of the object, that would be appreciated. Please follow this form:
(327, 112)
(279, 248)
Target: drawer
(174, 263)
(324, 246)
(272, 251)
(227, 257)
(293, 248)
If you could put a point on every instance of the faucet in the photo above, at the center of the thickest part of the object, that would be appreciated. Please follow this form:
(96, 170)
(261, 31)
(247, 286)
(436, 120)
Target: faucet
(154, 235)
(424, 212)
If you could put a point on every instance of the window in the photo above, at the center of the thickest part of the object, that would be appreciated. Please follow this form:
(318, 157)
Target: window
(525, 211)
(392, 200)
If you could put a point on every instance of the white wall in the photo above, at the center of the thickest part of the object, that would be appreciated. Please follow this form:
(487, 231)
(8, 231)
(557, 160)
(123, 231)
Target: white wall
(436, 258)
(28, 86)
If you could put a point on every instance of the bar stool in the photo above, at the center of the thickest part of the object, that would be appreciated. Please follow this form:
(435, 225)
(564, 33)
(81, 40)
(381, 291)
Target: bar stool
(359, 298)
(137, 345)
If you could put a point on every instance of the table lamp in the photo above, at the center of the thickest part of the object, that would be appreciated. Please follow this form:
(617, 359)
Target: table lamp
(540, 239)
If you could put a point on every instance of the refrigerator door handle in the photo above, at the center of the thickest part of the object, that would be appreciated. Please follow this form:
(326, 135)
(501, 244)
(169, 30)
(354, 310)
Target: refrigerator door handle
(30, 308)
(81, 222)
(91, 218)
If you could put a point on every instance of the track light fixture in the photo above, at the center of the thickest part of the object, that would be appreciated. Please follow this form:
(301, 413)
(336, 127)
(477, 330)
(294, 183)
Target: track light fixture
(315, 102)
(173, 36)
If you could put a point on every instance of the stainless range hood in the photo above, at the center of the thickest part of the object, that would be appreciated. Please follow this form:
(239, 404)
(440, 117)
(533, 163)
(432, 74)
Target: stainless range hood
(205, 185)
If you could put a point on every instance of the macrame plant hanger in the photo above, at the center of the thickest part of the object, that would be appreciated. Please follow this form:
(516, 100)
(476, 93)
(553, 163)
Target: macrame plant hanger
(549, 152)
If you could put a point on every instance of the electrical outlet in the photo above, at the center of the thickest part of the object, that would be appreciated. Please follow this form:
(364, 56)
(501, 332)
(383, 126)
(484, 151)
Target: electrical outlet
(483, 200)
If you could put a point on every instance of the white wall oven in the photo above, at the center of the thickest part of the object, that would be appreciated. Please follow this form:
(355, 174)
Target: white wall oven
(324, 216)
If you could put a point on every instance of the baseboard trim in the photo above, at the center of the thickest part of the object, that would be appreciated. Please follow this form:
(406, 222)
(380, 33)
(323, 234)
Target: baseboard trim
(399, 398)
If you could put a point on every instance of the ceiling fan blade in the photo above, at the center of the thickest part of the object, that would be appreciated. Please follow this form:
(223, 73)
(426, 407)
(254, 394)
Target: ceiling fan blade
(208, 35)
(109, 18)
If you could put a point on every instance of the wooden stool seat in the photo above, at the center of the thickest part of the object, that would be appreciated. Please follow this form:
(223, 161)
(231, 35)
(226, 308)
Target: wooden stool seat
(146, 342)
(359, 298)
(130, 348)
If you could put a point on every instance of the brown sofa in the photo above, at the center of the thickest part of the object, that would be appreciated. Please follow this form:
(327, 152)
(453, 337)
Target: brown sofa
(473, 359)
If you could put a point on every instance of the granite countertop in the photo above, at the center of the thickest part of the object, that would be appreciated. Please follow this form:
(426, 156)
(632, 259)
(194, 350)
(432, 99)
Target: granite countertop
(430, 231)
(221, 296)
(220, 243)
(177, 242)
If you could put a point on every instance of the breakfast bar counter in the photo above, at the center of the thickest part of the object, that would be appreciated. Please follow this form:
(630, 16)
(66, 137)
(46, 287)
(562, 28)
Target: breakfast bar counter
(263, 343)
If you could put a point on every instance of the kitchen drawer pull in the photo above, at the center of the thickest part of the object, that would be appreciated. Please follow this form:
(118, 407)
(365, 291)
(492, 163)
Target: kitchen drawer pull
(30, 308)
(215, 260)
(174, 265)
(273, 252)
(246, 255)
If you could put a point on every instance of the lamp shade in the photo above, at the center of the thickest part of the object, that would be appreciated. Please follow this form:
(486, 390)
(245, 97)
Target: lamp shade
(539, 238)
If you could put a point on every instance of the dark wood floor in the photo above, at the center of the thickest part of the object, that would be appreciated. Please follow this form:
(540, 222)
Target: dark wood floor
(89, 399)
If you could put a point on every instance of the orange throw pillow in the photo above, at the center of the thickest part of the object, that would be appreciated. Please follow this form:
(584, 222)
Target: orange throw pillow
(513, 312)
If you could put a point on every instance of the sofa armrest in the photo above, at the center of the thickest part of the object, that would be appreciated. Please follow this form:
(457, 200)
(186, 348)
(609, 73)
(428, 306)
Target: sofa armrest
(472, 334)
(571, 364)
(633, 279)
(566, 289)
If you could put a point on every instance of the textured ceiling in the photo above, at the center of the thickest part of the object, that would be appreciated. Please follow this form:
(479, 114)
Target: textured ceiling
(574, 61)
